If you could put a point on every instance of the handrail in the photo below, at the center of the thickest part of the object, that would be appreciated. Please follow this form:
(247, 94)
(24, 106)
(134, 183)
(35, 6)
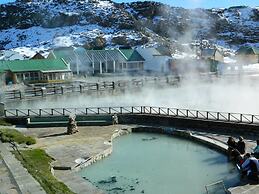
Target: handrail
(149, 110)
(31, 92)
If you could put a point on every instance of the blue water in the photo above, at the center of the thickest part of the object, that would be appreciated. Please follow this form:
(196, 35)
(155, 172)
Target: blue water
(159, 164)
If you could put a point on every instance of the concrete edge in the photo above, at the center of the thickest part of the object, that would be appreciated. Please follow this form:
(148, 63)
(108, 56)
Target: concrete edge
(104, 153)
(11, 175)
(18, 173)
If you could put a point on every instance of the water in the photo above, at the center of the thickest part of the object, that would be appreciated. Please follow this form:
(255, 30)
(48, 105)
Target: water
(218, 96)
(152, 164)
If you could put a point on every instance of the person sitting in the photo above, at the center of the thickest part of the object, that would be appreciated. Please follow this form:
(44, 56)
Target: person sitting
(256, 150)
(236, 156)
(250, 167)
(231, 146)
(231, 143)
(241, 146)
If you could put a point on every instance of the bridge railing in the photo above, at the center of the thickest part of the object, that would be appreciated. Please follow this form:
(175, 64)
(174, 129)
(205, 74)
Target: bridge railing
(61, 89)
(171, 112)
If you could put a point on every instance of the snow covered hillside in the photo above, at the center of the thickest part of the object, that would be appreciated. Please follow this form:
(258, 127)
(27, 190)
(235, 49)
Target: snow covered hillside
(42, 25)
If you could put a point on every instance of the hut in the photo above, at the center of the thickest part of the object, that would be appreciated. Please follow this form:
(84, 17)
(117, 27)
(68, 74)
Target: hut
(155, 62)
(35, 71)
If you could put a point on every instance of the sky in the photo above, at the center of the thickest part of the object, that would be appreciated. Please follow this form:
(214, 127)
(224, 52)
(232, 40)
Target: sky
(194, 3)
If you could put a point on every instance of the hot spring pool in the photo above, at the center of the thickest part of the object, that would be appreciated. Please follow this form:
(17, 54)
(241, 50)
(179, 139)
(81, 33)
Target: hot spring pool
(159, 164)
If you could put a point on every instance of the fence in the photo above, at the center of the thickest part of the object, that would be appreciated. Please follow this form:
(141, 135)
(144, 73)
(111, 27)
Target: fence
(172, 112)
(32, 92)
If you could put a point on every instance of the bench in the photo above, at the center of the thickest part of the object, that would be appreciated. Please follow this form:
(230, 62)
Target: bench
(61, 121)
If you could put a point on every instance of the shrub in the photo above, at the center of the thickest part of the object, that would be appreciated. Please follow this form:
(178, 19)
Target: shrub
(7, 135)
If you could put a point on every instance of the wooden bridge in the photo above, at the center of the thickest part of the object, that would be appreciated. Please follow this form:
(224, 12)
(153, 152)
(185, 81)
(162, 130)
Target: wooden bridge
(143, 115)
(146, 110)
(82, 87)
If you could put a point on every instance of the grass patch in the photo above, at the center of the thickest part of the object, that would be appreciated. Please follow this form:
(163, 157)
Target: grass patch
(4, 123)
(37, 162)
(7, 135)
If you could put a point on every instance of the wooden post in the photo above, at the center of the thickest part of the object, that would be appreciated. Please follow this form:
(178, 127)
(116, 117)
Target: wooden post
(1, 109)
(62, 89)
(20, 94)
(81, 87)
(43, 91)
(55, 90)
(113, 85)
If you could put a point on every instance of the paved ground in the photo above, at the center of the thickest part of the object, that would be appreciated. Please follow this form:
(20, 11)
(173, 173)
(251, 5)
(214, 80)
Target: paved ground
(89, 141)
(26, 183)
(7, 183)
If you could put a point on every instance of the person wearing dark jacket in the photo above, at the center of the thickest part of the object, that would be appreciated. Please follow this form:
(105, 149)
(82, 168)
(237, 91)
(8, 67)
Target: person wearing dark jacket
(241, 146)
(232, 146)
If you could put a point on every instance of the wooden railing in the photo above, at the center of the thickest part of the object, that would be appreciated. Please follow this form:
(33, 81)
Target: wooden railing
(147, 110)
(32, 92)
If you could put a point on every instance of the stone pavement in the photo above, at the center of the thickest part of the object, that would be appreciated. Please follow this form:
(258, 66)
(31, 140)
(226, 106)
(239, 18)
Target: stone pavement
(25, 182)
(7, 182)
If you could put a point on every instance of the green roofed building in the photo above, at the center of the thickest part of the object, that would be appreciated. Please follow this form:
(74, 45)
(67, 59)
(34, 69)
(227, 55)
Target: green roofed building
(35, 71)
(92, 62)
(248, 55)
(134, 62)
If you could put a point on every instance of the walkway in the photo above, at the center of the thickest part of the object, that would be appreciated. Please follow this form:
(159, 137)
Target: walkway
(26, 183)
(7, 182)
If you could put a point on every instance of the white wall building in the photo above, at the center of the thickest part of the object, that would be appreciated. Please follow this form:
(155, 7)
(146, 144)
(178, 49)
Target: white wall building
(154, 61)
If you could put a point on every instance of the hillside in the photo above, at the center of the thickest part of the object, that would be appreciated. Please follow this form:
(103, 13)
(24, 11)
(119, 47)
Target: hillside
(42, 25)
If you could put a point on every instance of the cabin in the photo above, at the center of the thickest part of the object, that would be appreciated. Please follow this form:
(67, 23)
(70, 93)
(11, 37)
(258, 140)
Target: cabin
(247, 55)
(34, 71)
(104, 61)
(155, 62)
(92, 62)
(132, 61)
(67, 54)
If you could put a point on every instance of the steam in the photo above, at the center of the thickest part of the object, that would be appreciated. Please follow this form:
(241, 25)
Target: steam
(224, 95)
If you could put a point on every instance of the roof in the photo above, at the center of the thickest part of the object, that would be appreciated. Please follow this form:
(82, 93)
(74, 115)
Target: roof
(247, 50)
(38, 56)
(66, 53)
(43, 65)
(103, 55)
(3, 67)
(131, 55)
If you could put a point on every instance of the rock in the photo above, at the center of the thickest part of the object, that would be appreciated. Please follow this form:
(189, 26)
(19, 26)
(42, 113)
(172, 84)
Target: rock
(71, 126)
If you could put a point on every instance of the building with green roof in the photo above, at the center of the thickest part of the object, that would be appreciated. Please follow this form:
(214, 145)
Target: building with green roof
(133, 61)
(35, 71)
(248, 54)
(93, 62)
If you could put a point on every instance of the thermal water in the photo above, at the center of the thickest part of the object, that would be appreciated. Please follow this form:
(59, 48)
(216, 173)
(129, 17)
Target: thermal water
(152, 163)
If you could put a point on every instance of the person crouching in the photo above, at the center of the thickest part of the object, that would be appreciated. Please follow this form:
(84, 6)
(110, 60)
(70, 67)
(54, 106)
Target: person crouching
(250, 167)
